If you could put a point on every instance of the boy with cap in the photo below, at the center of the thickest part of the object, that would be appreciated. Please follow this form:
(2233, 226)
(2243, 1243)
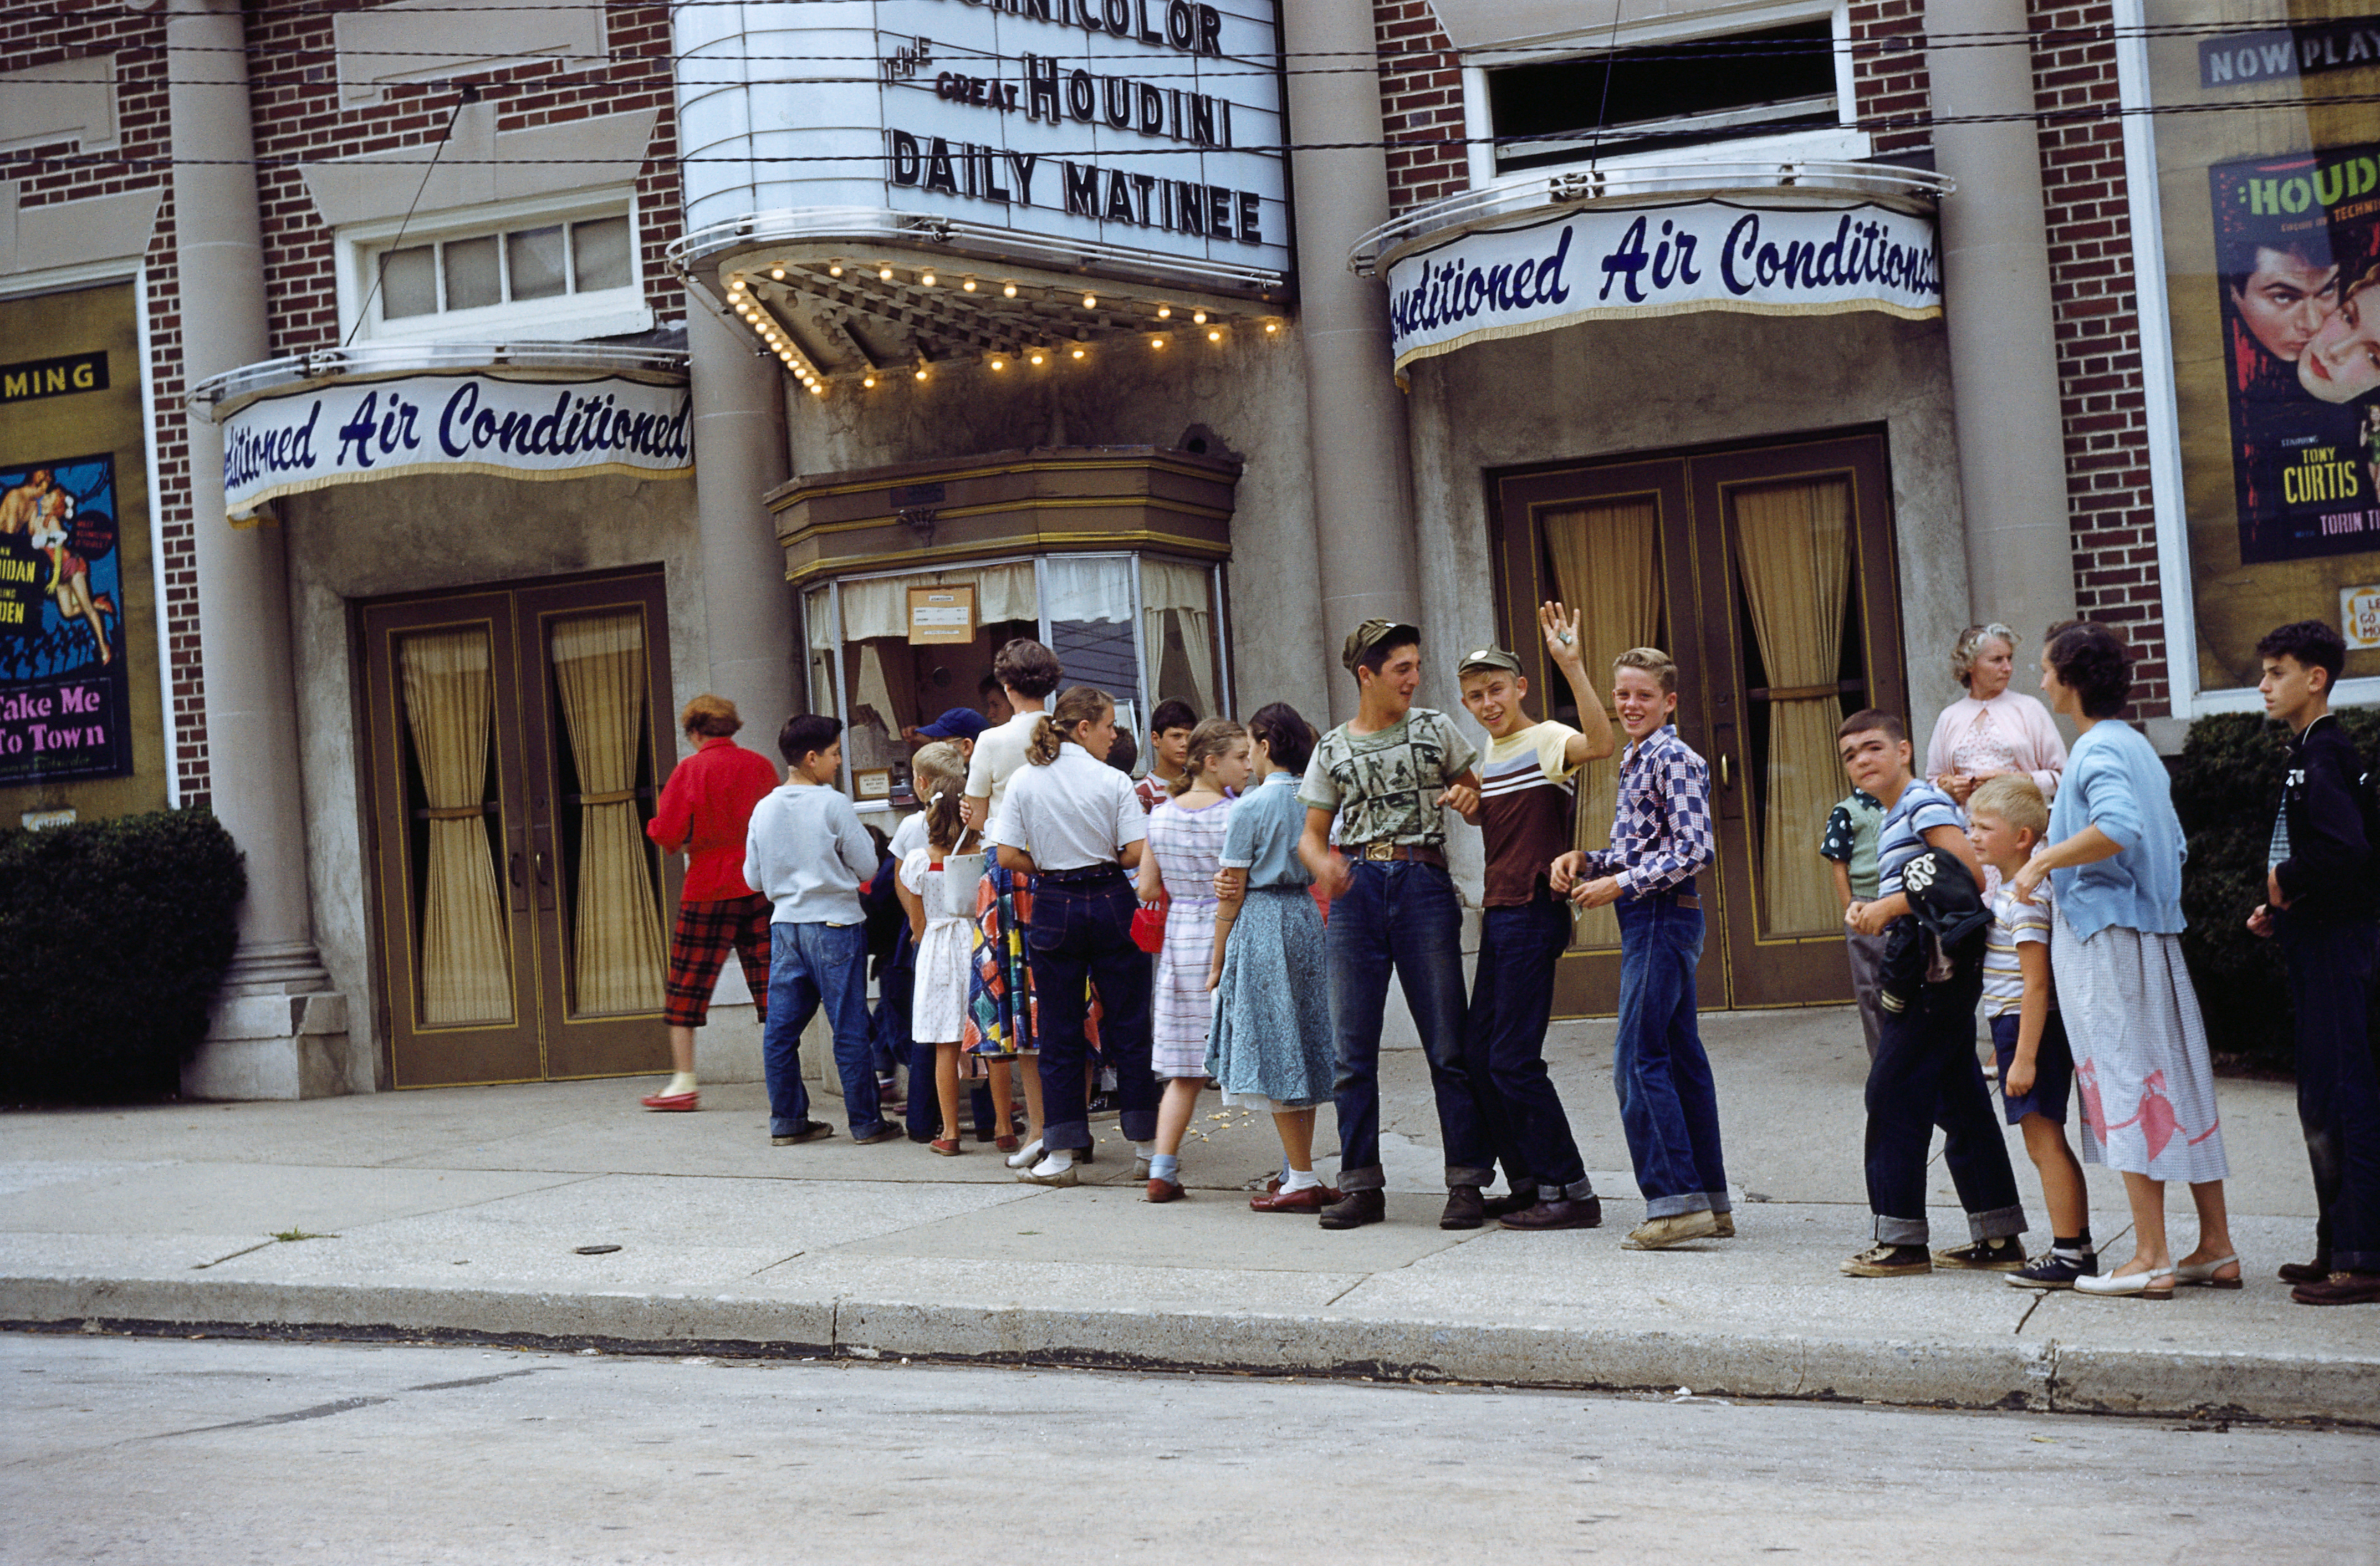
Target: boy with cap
(1660, 838)
(1382, 776)
(1526, 804)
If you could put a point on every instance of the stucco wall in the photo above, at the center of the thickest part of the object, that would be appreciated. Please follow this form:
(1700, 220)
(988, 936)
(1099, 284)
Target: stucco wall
(426, 534)
(1640, 387)
(1249, 391)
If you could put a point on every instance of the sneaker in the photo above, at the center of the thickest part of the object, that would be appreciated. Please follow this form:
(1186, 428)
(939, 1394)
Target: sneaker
(1354, 1209)
(2001, 1253)
(2055, 1270)
(1465, 1208)
(1889, 1261)
(1101, 1106)
(1660, 1233)
(1726, 1230)
(886, 1132)
(803, 1131)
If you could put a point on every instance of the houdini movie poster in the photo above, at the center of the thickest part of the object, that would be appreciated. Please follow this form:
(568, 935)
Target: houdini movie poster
(2298, 257)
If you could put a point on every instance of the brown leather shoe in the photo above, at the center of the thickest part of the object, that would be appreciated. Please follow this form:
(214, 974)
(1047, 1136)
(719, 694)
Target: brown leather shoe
(1465, 1208)
(2315, 1271)
(1354, 1209)
(1314, 1198)
(1163, 1191)
(2340, 1288)
(1521, 1200)
(1560, 1213)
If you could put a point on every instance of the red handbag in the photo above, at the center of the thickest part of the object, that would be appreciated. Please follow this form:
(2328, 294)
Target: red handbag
(1148, 926)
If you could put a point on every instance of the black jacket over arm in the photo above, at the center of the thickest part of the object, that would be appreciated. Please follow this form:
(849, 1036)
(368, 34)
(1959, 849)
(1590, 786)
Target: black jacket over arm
(2333, 872)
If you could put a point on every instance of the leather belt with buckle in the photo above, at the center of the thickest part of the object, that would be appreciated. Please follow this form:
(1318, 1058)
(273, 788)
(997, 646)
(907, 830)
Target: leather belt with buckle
(1390, 853)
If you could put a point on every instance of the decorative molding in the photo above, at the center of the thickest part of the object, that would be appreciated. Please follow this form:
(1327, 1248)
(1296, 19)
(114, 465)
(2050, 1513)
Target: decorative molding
(486, 167)
(60, 102)
(433, 40)
(64, 234)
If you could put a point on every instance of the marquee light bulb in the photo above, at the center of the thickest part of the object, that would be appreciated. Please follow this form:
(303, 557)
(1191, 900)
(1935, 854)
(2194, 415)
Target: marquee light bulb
(1165, 313)
(818, 388)
(1090, 301)
(997, 362)
(1214, 337)
(1273, 326)
(1037, 355)
(777, 272)
(835, 268)
(1008, 291)
(735, 283)
(968, 284)
(1157, 342)
(927, 277)
(1078, 353)
(921, 372)
(884, 275)
(868, 380)
(1199, 316)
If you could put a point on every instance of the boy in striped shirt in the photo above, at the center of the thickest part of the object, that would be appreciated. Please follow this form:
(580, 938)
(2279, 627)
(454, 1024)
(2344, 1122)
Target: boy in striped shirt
(1526, 803)
(2007, 819)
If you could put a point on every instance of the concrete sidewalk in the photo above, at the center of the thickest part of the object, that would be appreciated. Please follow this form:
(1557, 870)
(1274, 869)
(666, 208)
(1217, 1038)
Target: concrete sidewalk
(461, 1212)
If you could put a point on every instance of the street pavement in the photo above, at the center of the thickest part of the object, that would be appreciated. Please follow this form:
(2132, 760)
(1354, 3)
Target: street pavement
(214, 1452)
(464, 1212)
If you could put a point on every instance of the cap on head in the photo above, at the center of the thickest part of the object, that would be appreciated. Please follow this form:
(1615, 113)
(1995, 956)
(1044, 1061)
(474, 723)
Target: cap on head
(959, 722)
(1371, 634)
(1484, 658)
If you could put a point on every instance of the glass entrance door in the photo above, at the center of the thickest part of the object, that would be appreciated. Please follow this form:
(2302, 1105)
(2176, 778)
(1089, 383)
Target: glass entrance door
(1768, 575)
(515, 745)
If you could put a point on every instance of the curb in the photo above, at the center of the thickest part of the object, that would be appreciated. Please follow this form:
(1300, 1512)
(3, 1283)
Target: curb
(2040, 1376)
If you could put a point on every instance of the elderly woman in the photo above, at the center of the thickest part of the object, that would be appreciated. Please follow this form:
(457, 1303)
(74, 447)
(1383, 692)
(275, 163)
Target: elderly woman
(1992, 729)
(2141, 1068)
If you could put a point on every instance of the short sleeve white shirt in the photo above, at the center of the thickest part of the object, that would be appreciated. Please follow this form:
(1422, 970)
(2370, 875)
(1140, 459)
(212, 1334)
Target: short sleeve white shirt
(998, 755)
(1073, 814)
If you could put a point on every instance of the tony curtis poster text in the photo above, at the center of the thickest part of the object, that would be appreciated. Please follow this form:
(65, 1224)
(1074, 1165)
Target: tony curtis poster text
(81, 721)
(2297, 257)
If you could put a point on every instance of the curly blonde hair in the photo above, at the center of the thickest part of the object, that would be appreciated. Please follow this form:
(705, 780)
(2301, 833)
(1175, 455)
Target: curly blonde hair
(1970, 646)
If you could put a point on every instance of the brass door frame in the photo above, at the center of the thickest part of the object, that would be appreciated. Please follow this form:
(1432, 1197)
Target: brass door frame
(1697, 574)
(543, 1042)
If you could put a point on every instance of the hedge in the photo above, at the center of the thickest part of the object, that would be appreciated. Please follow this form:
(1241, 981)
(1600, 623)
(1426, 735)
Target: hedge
(114, 939)
(2227, 786)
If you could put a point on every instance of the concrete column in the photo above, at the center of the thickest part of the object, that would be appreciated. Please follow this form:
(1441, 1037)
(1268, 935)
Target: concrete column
(1363, 480)
(740, 456)
(1997, 307)
(275, 1034)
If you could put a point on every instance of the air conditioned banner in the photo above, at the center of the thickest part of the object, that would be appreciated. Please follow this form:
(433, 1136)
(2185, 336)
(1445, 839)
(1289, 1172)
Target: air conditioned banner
(1617, 263)
(348, 433)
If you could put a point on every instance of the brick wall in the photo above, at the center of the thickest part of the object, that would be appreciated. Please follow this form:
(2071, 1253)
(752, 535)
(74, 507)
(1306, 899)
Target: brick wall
(300, 116)
(1421, 104)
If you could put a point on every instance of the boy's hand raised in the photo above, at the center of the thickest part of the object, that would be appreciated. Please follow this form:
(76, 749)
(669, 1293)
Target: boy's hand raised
(1561, 628)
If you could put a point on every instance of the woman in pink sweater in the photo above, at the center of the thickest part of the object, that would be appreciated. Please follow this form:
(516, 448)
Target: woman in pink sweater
(1992, 729)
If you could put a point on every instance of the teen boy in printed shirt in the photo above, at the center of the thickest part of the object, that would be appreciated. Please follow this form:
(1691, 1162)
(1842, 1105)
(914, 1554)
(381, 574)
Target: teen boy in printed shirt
(1660, 837)
(1394, 908)
(1526, 805)
(2322, 899)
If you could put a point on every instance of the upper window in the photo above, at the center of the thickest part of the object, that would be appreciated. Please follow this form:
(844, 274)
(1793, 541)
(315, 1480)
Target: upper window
(566, 272)
(1780, 88)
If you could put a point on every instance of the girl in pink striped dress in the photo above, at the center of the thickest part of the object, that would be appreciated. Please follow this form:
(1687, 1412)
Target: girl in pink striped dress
(1185, 847)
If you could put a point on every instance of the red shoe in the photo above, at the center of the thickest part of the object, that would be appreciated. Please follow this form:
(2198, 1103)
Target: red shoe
(1163, 1191)
(949, 1147)
(680, 1102)
(1314, 1198)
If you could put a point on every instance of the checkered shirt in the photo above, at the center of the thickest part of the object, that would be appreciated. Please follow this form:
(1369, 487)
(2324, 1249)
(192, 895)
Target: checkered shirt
(1661, 822)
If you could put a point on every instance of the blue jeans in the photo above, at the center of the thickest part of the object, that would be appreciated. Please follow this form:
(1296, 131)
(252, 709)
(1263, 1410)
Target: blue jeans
(811, 963)
(2331, 969)
(1504, 1046)
(1402, 916)
(1082, 935)
(1925, 1074)
(1668, 1105)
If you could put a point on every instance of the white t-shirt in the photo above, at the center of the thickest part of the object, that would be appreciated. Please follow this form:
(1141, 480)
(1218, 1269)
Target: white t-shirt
(909, 837)
(999, 753)
(1074, 813)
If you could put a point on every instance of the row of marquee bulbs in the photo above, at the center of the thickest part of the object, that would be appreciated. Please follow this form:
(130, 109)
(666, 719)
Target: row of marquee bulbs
(781, 346)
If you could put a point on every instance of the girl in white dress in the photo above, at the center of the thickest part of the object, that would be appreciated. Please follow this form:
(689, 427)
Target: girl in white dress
(944, 932)
(1185, 847)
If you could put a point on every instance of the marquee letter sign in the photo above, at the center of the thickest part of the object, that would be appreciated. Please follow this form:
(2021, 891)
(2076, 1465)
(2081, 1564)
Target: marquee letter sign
(1616, 263)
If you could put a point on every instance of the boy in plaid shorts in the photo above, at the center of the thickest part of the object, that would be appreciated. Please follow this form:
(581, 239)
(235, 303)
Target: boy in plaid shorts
(704, 809)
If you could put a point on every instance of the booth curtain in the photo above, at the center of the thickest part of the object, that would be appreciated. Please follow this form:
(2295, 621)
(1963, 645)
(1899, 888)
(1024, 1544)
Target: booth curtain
(1606, 566)
(1793, 544)
(880, 607)
(450, 711)
(599, 668)
(1177, 607)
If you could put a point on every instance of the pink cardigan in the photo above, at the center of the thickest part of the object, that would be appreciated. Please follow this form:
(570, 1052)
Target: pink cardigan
(2022, 720)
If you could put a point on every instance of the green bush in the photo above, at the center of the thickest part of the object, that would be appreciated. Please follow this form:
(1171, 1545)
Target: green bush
(2227, 786)
(114, 939)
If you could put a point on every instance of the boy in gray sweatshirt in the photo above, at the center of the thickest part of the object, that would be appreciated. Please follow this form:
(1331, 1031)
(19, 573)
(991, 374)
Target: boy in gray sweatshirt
(806, 853)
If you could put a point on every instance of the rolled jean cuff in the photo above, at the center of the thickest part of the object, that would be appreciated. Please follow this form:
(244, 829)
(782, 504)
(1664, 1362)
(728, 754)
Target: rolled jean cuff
(1376, 1178)
(1579, 1191)
(1671, 1207)
(784, 1127)
(1900, 1230)
(1137, 1125)
(1466, 1175)
(2000, 1224)
(1720, 1201)
(2355, 1261)
(1073, 1138)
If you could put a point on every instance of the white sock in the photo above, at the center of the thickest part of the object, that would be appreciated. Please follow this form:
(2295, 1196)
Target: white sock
(1298, 1179)
(681, 1083)
(1144, 1150)
(1058, 1161)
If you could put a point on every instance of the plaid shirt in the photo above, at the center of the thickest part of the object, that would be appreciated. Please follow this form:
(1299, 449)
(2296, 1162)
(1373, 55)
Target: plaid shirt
(1661, 822)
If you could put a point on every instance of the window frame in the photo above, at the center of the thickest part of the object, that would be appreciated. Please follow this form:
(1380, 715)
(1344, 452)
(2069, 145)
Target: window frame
(570, 316)
(1844, 142)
